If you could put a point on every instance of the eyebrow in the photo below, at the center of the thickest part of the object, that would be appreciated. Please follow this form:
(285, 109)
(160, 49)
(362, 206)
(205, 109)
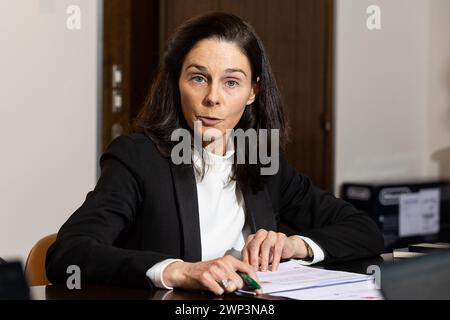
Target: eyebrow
(231, 70)
(204, 69)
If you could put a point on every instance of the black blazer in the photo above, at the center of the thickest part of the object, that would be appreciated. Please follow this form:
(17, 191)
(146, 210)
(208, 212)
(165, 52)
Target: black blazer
(144, 209)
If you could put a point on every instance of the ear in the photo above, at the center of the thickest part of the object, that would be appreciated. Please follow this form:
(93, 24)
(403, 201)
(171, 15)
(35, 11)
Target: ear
(253, 93)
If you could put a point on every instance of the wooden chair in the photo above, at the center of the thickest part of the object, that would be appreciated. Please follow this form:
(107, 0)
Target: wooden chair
(35, 265)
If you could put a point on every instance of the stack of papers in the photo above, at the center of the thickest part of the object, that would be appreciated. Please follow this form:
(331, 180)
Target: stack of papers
(296, 281)
(346, 291)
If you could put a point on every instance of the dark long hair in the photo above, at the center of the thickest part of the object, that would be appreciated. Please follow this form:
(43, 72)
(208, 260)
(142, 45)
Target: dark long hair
(161, 113)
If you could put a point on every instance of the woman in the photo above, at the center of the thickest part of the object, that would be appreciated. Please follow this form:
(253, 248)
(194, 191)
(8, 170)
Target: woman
(155, 221)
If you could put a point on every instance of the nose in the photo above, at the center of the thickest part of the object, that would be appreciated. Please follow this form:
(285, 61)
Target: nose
(212, 98)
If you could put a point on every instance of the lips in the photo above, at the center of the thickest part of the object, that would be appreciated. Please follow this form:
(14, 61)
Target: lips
(209, 121)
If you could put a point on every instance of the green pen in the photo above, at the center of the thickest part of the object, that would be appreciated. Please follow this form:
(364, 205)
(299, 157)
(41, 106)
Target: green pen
(249, 281)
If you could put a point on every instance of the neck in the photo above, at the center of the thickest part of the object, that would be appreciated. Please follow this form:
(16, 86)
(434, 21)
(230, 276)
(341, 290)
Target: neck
(218, 146)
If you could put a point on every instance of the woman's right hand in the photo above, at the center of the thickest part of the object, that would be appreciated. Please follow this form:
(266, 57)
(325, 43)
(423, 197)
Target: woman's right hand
(207, 275)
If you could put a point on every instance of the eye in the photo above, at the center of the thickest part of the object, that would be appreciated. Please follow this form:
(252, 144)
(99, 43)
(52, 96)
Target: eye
(232, 83)
(198, 79)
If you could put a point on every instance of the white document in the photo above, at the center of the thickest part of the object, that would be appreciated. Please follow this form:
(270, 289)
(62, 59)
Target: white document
(363, 290)
(293, 276)
(419, 213)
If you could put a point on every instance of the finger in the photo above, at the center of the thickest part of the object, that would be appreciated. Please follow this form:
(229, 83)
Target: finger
(249, 238)
(237, 280)
(244, 252)
(245, 267)
(210, 283)
(221, 271)
(278, 250)
(266, 245)
(254, 247)
(233, 276)
(271, 255)
(245, 255)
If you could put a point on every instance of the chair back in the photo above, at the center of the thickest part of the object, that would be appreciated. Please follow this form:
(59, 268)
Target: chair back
(35, 265)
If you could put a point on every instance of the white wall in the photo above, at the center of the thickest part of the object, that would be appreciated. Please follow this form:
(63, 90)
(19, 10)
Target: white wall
(438, 103)
(392, 97)
(48, 108)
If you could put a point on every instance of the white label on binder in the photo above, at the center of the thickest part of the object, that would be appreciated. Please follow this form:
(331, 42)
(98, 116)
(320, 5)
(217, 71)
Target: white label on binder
(419, 213)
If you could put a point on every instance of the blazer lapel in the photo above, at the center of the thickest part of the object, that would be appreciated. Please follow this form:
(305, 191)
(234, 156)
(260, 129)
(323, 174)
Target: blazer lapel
(259, 210)
(187, 203)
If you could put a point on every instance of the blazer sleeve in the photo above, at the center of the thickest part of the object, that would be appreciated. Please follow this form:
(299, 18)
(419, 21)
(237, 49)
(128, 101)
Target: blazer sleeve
(87, 238)
(342, 231)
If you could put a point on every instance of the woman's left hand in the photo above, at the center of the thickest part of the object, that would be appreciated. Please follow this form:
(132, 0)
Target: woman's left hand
(266, 247)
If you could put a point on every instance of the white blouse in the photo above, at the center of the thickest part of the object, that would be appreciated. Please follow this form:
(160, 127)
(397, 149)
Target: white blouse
(223, 228)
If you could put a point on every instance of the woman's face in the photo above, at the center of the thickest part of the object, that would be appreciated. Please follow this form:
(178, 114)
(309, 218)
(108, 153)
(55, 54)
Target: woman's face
(215, 85)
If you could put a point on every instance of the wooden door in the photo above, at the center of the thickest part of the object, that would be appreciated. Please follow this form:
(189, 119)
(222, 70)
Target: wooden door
(130, 59)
